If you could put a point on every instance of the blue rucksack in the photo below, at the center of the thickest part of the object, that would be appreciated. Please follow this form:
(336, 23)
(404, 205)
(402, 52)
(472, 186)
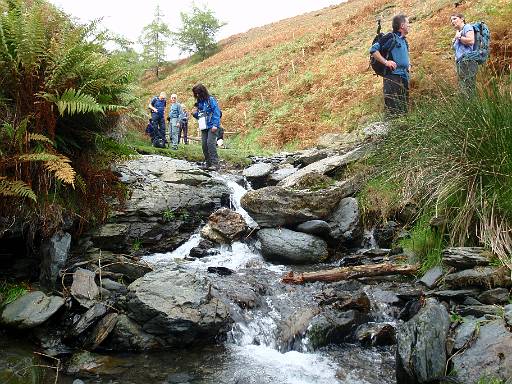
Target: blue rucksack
(481, 47)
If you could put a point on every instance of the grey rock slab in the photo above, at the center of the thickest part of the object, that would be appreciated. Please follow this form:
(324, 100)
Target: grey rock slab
(507, 310)
(459, 294)
(87, 319)
(93, 365)
(31, 310)
(479, 310)
(464, 332)
(345, 222)
(314, 227)
(375, 334)
(101, 331)
(277, 206)
(54, 253)
(494, 296)
(421, 350)
(327, 165)
(466, 257)
(431, 277)
(280, 174)
(127, 335)
(486, 277)
(489, 356)
(290, 247)
(258, 171)
(177, 306)
(84, 288)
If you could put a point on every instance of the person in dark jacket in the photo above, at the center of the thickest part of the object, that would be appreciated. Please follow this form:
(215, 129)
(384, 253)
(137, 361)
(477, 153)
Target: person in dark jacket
(184, 125)
(207, 112)
(157, 108)
(396, 81)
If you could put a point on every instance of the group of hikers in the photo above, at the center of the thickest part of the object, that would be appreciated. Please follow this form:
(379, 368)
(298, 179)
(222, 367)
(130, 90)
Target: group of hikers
(389, 57)
(207, 113)
(391, 53)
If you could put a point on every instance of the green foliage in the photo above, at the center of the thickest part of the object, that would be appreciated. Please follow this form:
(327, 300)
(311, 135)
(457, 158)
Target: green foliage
(136, 245)
(490, 380)
(11, 291)
(168, 215)
(378, 201)
(426, 242)
(198, 30)
(453, 155)
(154, 40)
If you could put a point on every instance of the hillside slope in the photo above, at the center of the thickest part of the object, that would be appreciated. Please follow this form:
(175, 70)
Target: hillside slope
(291, 81)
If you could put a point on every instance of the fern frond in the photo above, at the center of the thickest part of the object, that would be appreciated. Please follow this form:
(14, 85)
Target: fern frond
(74, 102)
(41, 156)
(16, 188)
(62, 170)
(39, 137)
(80, 182)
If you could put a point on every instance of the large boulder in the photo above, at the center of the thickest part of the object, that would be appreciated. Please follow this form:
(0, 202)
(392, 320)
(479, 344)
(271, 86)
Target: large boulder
(326, 166)
(54, 253)
(168, 200)
(178, 307)
(421, 352)
(277, 206)
(490, 356)
(290, 247)
(345, 222)
(31, 310)
(257, 174)
(224, 226)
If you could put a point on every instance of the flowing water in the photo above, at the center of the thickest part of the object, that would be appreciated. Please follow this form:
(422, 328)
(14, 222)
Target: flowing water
(254, 352)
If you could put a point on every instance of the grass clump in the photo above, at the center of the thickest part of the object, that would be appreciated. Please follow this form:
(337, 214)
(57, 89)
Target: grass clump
(11, 291)
(378, 201)
(453, 155)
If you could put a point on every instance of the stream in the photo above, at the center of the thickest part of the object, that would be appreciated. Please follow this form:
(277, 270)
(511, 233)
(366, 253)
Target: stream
(253, 353)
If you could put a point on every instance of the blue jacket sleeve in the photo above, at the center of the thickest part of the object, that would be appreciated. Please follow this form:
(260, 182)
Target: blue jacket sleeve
(375, 47)
(215, 119)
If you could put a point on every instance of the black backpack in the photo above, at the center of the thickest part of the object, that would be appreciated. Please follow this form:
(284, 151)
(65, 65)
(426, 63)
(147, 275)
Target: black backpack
(385, 50)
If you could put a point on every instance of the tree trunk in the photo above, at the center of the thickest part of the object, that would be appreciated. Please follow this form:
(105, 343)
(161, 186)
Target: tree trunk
(346, 273)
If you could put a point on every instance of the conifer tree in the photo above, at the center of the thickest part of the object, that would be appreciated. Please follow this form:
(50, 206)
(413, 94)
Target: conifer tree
(154, 39)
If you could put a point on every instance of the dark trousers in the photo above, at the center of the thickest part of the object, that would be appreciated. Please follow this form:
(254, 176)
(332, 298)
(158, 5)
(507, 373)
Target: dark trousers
(396, 95)
(466, 73)
(209, 144)
(158, 126)
(184, 130)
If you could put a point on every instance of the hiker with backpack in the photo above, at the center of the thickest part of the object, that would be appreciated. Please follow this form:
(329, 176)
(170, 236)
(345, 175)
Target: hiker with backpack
(157, 108)
(471, 45)
(183, 125)
(390, 54)
(174, 119)
(207, 112)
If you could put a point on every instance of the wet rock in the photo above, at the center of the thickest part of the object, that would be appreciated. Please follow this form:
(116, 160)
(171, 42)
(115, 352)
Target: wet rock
(87, 319)
(385, 234)
(224, 226)
(486, 277)
(101, 331)
(494, 296)
(460, 294)
(125, 267)
(507, 310)
(431, 277)
(54, 253)
(87, 364)
(127, 335)
(84, 288)
(290, 247)
(343, 301)
(31, 310)
(464, 332)
(257, 174)
(178, 307)
(222, 271)
(291, 329)
(345, 223)
(280, 174)
(314, 227)
(326, 166)
(489, 356)
(333, 328)
(203, 249)
(421, 352)
(310, 156)
(179, 378)
(114, 286)
(479, 310)
(376, 334)
(384, 296)
(466, 257)
(277, 206)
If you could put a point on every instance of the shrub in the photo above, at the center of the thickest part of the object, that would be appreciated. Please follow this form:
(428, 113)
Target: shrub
(454, 156)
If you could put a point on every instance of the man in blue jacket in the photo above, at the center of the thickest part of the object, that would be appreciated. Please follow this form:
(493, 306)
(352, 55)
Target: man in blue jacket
(157, 108)
(396, 79)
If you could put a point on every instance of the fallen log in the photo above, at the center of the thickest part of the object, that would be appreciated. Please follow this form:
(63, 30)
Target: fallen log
(346, 273)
